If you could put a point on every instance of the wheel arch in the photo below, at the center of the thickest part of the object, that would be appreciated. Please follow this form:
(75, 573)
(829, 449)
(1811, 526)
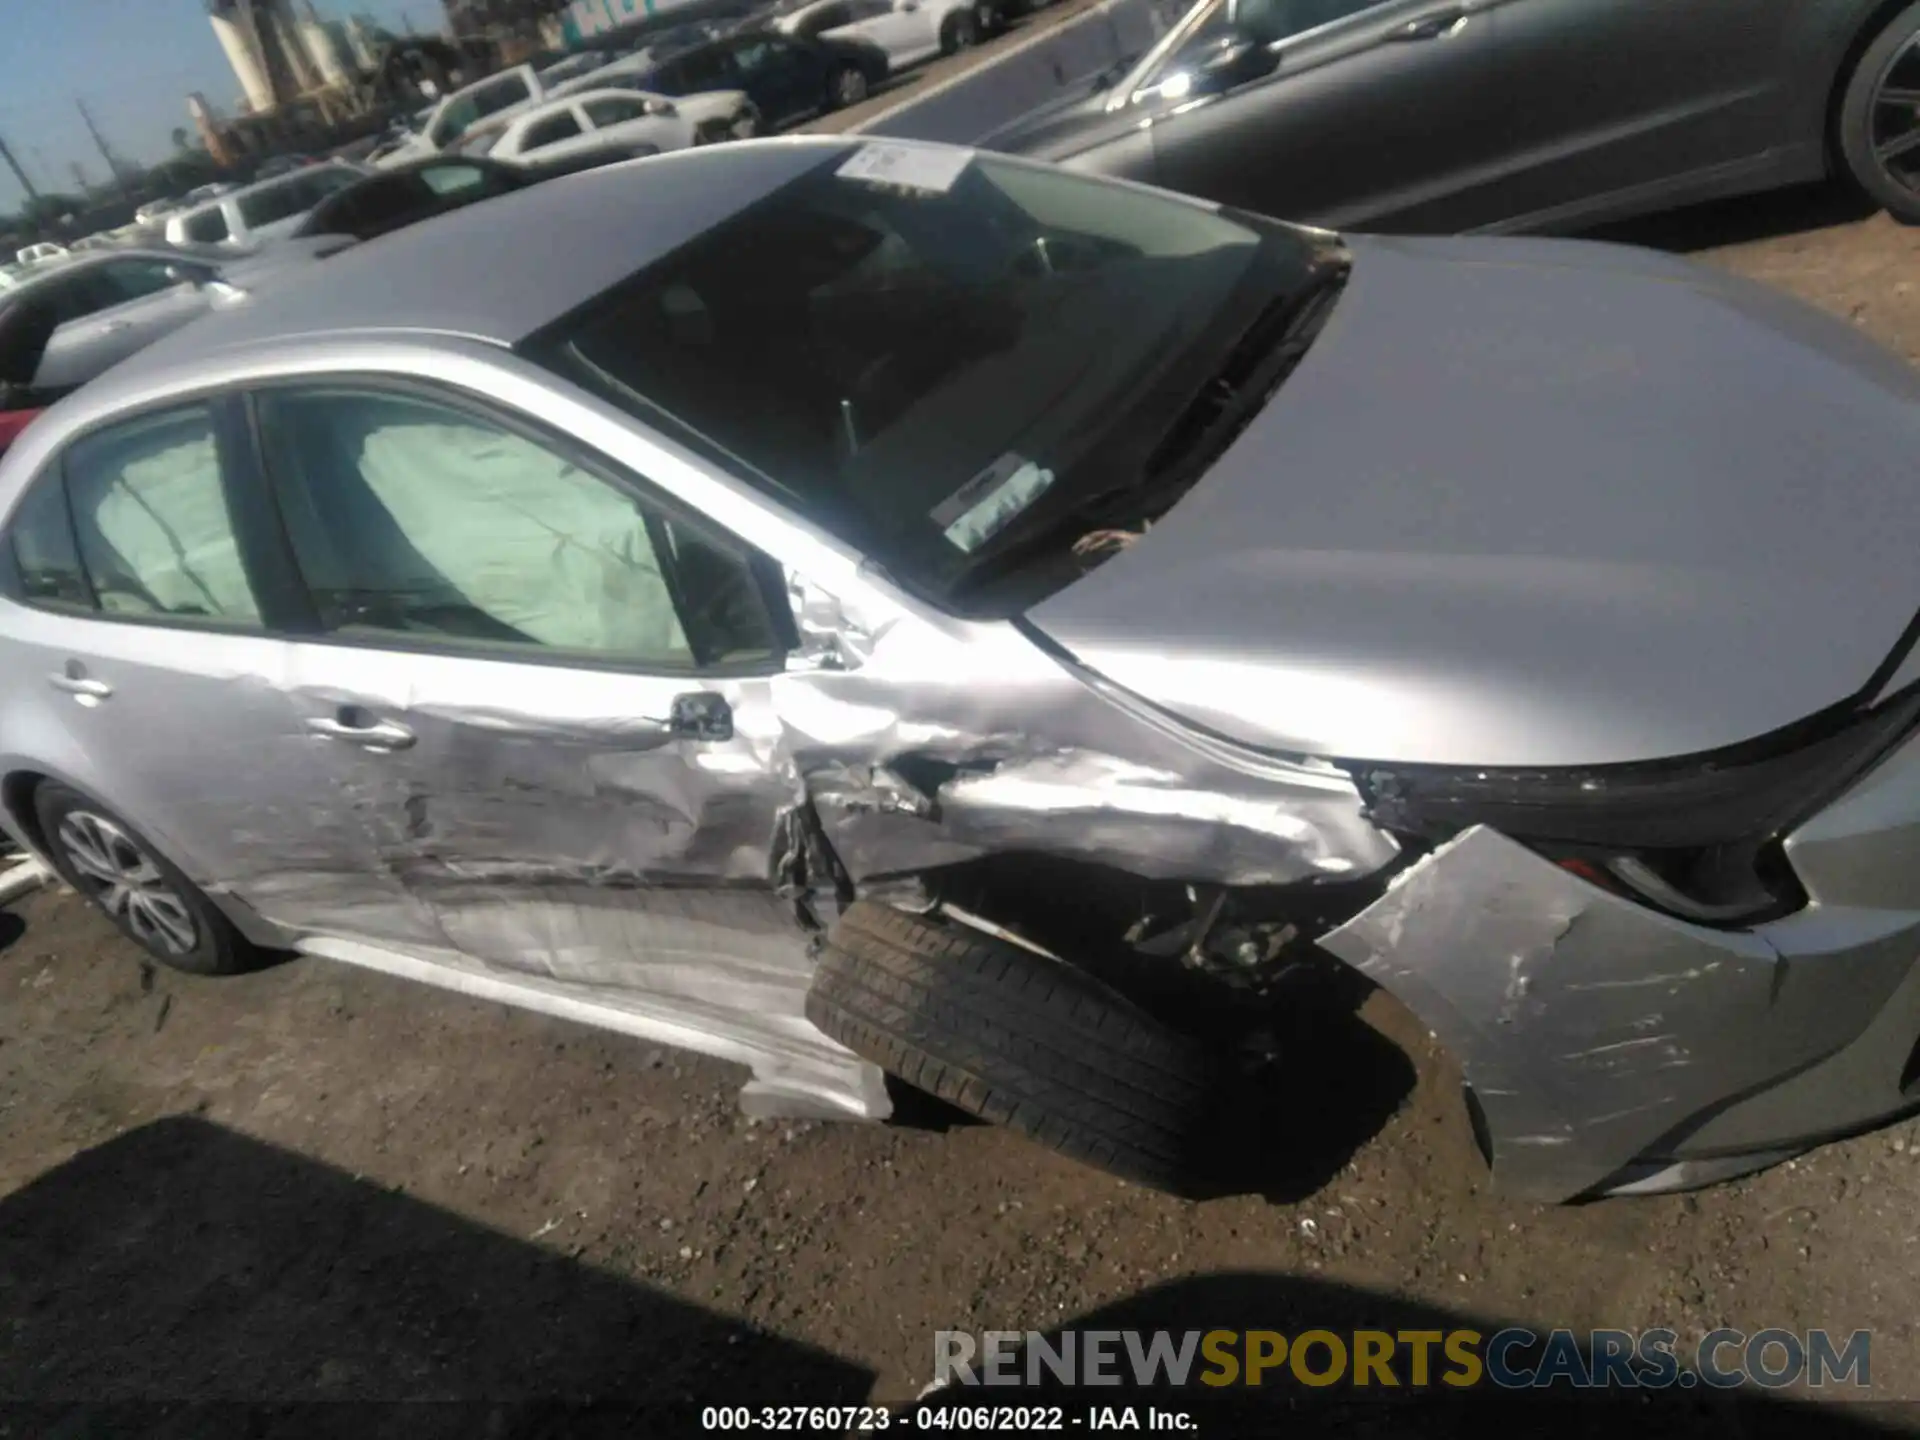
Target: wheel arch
(1878, 19)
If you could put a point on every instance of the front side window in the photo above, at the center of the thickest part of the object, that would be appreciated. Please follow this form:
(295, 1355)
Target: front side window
(150, 511)
(410, 518)
(126, 280)
(916, 347)
(507, 91)
(455, 120)
(762, 52)
(1265, 22)
(293, 196)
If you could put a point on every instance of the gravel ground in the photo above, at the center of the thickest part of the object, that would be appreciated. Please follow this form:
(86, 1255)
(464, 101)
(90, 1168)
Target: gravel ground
(319, 1183)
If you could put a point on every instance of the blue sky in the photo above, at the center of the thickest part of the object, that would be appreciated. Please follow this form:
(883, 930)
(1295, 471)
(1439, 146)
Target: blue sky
(133, 62)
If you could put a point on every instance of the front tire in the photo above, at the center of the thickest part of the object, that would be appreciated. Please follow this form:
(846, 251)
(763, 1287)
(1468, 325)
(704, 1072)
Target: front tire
(1879, 121)
(1015, 1038)
(137, 888)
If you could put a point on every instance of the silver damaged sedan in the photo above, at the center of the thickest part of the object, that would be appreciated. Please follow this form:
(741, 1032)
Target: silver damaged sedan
(871, 609)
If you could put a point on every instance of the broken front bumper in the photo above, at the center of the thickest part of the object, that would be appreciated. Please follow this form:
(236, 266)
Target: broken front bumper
(1613, 1048)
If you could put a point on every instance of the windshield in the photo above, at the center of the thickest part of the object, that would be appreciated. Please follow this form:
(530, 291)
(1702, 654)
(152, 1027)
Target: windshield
(928, 351)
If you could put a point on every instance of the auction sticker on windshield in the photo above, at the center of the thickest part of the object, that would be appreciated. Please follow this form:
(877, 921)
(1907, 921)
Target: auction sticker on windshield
(917, 167)
(986, 504)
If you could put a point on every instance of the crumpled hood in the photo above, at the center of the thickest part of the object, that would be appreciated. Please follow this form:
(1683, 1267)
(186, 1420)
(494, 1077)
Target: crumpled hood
(1532, 503)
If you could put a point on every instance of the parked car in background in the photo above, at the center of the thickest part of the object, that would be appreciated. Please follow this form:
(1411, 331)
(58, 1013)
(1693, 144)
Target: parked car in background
(404, 195)
(40, 253)
(1506, 115)
(246, 217)
(909, 31)
(853, 607)
(277, 165)
(156, 210)
(609, 125)
(787, 79)
(500, 95)
(13, 421)
(104, 307)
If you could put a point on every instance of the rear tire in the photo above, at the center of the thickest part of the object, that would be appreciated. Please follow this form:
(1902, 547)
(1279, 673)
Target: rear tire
(847, 86)
(1015, 1038)
(961, 32)
(137, 888)
(1869, 122)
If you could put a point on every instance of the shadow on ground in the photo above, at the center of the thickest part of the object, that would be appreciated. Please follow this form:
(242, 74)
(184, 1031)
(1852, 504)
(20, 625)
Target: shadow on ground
(182, 1281)
(1282, 1406)
(1744, 219)
(182, 1263)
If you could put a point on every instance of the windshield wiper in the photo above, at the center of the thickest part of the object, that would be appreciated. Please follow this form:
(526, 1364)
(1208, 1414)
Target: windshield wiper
(1260, 359)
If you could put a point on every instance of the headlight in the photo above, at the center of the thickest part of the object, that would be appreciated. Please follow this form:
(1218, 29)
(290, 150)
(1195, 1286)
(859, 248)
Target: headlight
(1697, 837)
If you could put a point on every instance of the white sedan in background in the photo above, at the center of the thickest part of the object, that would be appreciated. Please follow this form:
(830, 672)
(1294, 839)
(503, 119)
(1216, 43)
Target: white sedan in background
(910, 31)
(621, 123)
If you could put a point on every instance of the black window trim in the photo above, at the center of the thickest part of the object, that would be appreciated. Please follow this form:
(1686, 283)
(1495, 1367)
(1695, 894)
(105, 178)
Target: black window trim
(769, 579)
(233, 452)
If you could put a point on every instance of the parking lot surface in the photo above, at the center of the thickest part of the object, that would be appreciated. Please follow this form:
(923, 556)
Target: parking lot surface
(321, 1183)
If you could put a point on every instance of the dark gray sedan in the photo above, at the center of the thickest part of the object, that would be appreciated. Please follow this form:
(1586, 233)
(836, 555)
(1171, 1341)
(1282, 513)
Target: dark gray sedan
(1442, 115)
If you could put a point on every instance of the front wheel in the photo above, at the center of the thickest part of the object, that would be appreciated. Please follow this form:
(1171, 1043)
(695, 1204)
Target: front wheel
(152, 903)
(847, 86)
(1019, 1039)
(1879, 122)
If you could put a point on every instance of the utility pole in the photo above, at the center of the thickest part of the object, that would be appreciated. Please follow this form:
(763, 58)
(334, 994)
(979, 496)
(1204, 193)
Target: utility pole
(18, 173)
(106, 154)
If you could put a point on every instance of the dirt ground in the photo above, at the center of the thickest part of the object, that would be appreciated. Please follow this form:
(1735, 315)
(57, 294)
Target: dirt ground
(319, 1183)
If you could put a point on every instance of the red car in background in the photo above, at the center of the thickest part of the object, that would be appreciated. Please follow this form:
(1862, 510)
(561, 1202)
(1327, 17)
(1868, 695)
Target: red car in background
(12, 422)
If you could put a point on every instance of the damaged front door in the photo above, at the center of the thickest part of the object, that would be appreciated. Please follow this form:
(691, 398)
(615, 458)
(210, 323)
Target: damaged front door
(547, 696)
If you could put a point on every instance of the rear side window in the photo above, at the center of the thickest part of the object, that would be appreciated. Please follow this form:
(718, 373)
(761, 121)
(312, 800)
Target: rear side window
(150, 515)
(615, 110)
(209, 227)
(44, 551)
(125, 280)
(550, 131)
(279, 202)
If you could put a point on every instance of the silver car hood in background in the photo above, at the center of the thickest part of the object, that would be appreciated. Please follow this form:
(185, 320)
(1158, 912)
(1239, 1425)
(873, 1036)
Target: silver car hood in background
(1531, 503)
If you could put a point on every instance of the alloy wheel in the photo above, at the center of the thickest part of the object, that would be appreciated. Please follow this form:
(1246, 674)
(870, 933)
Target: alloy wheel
(851, 88)
(1894, 126)
(124, 881)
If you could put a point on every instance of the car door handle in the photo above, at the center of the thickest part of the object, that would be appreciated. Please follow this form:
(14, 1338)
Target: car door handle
(1431, 27)
(114, 326)
(362, 730)
(80, 687)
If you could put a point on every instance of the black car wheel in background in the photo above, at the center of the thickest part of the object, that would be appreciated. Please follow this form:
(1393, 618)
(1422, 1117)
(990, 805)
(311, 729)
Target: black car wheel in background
(1879, 128)
(847, 85)
(963, 31)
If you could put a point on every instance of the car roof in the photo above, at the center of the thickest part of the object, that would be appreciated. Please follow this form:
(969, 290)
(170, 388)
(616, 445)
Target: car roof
(502, 269)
